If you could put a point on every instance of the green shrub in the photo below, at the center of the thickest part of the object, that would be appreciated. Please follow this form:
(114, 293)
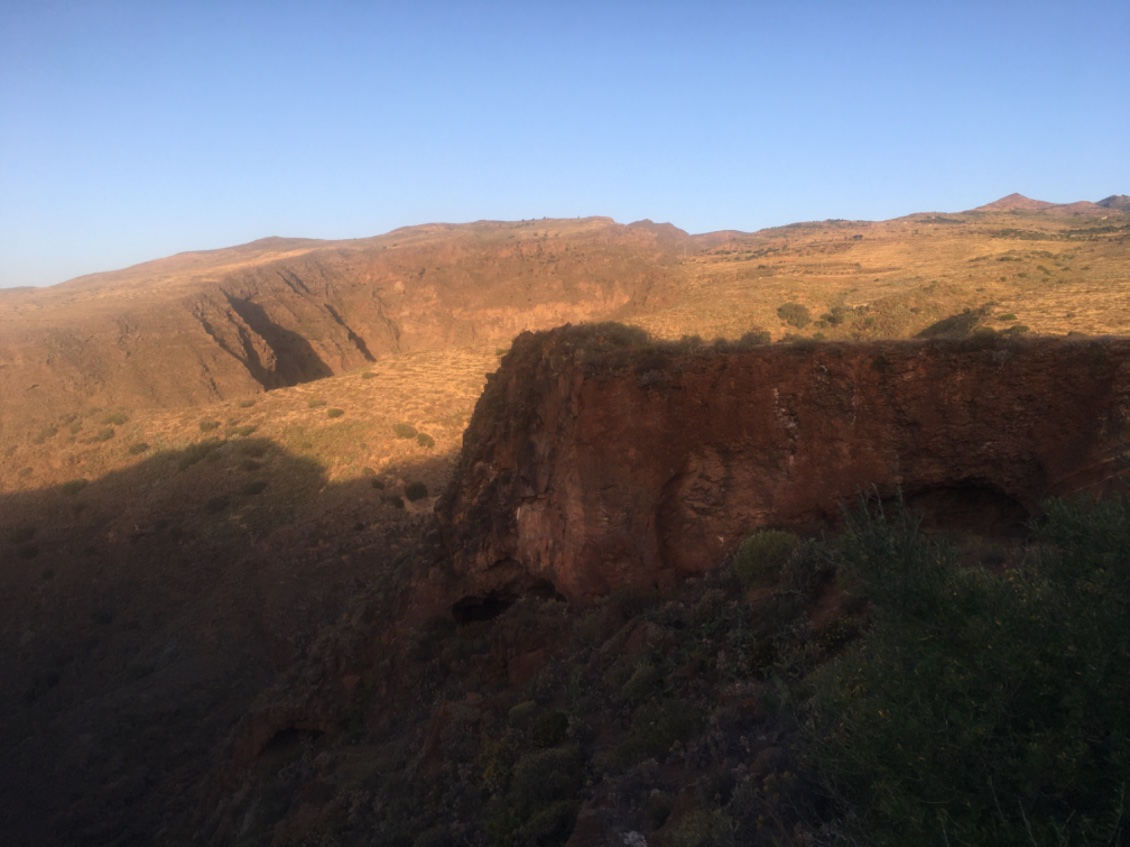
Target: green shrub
(209, 426)
(415, 491)
(334, 413)
(21, 534)
(104, 434)
(656, 726)
(198, 452)
(246, 404)
(759, 560)
(982, 706)
(550, 729)
(794, 314)
(425, 440)
(702, 828)
(404, 430)
(116, 418)
(368, 375)
(138, 448)
(753, 338)
(1005, 318)
(255, 486)
(44, 434)
(217, 503)
(316, 403)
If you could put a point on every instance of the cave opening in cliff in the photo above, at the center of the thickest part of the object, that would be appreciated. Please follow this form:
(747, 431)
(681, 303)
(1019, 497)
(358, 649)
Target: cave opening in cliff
(488, 606)
(482, 607)
(971, 506)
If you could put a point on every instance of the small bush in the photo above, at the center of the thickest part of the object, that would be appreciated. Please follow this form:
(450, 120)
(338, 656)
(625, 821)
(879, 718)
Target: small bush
(759, 560)
(754, 338)
(246, 404)
(794, 314)
(216, 504)
(404, 430)
(21, 534)
(243, 431)
(198, 452)
(117, 418)
(316, 403)
(44, 434)
(209, 426)
(334, 413)
(368, 375)
(425, 440)
(1005, 318)
(550, 729)
(138, 448)
(104, 434)
(415, 491)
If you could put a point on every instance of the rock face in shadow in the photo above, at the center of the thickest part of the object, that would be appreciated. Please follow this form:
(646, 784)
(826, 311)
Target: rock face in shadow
(595, 461)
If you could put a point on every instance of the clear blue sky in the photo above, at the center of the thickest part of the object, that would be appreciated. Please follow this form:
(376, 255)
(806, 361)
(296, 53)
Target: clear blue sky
(133, 130)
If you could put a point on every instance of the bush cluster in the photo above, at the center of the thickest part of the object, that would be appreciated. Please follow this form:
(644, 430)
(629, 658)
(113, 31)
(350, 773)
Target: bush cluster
(982, 706)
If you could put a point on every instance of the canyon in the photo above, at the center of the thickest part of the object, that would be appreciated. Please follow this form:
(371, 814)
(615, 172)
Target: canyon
(289, 530)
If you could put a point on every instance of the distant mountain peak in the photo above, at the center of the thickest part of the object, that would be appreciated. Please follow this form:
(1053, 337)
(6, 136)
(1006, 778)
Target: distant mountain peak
(1121, 202)
(1015, 203)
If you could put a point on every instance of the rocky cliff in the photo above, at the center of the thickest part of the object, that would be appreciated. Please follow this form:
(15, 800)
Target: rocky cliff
(595, 459)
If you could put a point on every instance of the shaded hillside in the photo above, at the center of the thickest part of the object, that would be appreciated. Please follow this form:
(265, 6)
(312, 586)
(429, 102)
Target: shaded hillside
(198, 327)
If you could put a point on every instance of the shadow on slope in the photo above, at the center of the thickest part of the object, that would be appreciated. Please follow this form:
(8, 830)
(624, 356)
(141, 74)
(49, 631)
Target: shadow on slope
(140, 613)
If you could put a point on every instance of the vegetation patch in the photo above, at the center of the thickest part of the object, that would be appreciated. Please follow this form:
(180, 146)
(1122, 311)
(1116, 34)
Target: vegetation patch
(415, 491)
(794, 314)
(981, 706)
(404, 430)
(334, 413)
(195, 453)
(74, 486)
(761, 557)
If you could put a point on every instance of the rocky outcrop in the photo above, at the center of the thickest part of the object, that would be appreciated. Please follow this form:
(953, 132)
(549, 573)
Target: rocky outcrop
(595, 460)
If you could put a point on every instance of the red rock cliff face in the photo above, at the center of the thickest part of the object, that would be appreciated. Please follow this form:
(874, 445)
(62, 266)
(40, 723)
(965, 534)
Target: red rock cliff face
(592, 463)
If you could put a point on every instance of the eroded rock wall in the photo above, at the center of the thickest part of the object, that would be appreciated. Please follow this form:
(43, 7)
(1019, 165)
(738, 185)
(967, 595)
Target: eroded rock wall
(594, 461)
